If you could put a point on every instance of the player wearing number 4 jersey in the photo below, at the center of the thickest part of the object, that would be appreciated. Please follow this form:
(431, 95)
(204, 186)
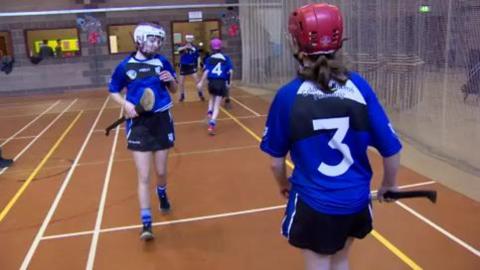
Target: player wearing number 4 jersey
(218, 70)
(326, 118)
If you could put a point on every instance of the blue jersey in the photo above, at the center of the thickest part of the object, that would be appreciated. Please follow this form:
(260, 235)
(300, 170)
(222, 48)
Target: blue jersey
(219, 66)
(189, 56)
(136, 75)
(327, 135)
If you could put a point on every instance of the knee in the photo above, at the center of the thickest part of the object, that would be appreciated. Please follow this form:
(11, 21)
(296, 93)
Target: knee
(162, 174)
(143, 178)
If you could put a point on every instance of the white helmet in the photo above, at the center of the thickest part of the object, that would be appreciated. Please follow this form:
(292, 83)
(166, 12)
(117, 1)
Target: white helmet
(142, 31)
(189, 37)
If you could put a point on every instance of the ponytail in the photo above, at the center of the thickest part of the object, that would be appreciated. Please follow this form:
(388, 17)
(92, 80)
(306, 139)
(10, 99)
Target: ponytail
(325, 68)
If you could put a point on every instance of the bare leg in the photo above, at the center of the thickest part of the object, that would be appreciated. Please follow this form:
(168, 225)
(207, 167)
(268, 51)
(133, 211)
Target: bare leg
(142, 162)
(340, 259)
(161, 167)
(181, 86)
(161, 170)
(199, 90)
(210, 103)
(315, 261)
(216, 106)
(197, 80)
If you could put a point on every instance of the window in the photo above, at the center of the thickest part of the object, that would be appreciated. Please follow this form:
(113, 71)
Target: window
(58, 43)
(5, 44)
(120, 38)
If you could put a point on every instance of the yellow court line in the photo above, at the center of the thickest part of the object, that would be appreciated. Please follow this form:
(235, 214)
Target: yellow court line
(375, 234)
(241, 124)
(395, 250)
(32, 176)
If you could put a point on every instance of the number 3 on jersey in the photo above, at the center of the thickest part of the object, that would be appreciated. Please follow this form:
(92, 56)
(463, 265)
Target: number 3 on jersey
(341, 124)
(217, 69)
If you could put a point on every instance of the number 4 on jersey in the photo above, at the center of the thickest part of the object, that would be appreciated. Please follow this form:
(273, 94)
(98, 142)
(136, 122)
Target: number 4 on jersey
(217, 69)
(341, 124)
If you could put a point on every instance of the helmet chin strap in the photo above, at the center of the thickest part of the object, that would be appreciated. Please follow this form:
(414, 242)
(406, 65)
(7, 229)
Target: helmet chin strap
(147, 54)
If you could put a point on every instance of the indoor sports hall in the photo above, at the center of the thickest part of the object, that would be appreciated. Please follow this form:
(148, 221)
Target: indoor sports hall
(68, 199)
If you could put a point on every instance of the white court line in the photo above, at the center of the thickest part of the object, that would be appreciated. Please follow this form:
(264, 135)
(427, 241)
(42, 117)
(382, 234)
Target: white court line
(227, 214)
(103, 199)
(19, 138)
(218, 119)
(31, 122)
(39, 135)
(22, 171)
(30, 114)
(440, 229)
(444, 232)
(180, 123)
(245, 106)
(46, 221)
(163, 223)
(27, 105)
(196, 121)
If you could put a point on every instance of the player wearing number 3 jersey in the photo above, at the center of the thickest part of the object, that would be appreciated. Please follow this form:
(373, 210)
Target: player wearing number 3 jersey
(326, 118)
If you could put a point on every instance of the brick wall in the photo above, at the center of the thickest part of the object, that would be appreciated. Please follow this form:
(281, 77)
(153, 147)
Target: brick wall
(94, 67)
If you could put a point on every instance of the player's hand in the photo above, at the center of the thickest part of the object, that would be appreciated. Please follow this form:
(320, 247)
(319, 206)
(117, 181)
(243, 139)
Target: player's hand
(382, 190)
(166, 76)
(285, 192)
(284, 189)
(199, 86)
(130, 111)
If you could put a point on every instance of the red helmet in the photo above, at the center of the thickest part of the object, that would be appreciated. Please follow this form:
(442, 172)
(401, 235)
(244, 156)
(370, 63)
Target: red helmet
(316, 28)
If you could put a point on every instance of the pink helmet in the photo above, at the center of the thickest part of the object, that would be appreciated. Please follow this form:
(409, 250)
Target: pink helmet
(216, 44)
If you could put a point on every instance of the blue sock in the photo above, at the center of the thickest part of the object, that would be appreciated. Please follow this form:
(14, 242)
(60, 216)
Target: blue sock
(161, 191)
(146, 215)
(212, 122)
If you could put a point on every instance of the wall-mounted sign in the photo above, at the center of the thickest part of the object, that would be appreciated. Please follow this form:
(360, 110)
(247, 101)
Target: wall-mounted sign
(194, 16)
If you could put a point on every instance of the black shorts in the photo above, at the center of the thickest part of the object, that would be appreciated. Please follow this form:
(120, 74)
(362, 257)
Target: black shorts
(187, 69)
(151, 132)
(325, 234)
(217, 87)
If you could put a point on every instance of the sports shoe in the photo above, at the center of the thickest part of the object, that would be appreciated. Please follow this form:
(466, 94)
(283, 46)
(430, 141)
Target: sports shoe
(211, 129)
(227, 104)
(182, 97)
(5, 162)
(164, 204)
(200, 95)
(146, 234)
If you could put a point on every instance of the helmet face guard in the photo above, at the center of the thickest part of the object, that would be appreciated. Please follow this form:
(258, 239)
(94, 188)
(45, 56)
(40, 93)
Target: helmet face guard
(189, 38)
(149, 38)
(316, 29)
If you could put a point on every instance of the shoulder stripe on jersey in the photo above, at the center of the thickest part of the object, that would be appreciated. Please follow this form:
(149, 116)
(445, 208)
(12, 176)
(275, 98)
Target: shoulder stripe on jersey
(153, 62)
(218, 56)
(348, 91)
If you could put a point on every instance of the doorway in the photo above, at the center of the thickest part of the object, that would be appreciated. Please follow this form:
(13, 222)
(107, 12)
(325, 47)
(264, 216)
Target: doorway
(202, 31)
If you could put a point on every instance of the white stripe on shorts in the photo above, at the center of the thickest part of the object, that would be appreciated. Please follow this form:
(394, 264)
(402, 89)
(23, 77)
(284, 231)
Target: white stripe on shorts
(293, 215)
(370, 211)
